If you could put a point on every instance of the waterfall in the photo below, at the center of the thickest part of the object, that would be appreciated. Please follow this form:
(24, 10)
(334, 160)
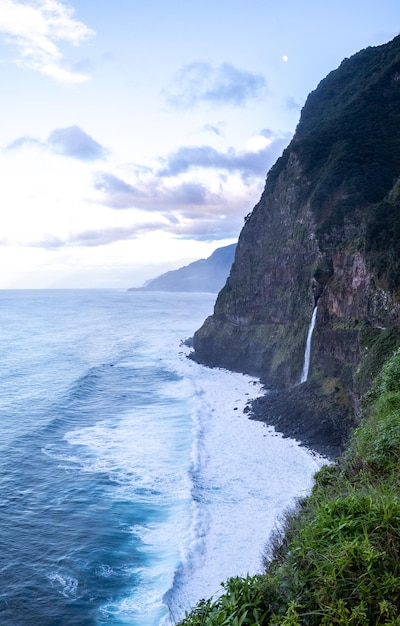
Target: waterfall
(307, 354)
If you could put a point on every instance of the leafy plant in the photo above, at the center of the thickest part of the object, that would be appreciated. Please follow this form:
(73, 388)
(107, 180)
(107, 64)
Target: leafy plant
(241, 604)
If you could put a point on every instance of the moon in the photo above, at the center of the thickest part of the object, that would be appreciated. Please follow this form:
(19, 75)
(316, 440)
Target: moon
(285, 58)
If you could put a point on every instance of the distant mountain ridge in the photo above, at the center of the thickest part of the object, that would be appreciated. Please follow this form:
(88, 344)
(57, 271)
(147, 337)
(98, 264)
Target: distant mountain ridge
(205, 275)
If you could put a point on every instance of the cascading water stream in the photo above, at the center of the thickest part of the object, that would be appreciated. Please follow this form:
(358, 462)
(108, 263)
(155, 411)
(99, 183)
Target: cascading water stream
(307, 354)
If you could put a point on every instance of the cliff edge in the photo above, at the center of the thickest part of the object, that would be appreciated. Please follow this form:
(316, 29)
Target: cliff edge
(325, 234)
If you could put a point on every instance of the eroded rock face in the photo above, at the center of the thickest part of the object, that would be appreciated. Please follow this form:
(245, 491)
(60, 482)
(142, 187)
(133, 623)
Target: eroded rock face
(268, 298)
(314, 239)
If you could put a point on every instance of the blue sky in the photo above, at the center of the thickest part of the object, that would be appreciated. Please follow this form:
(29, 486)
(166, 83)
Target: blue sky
(137, 135)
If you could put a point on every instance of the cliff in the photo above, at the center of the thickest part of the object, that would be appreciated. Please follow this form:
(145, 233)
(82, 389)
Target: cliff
(208, 275)
(325, 233)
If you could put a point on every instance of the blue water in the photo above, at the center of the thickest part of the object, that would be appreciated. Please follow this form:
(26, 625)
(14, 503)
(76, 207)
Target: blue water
(116, 483)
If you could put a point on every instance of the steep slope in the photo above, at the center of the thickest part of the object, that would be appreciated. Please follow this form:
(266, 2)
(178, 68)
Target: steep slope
(204, 275)
(326, 233)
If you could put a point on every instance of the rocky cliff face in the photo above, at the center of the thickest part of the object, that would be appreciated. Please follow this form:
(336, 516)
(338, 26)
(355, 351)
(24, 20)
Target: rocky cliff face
(326, 232)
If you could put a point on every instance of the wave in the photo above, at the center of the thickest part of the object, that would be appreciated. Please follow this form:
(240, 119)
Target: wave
(238, 470)
(150, 485)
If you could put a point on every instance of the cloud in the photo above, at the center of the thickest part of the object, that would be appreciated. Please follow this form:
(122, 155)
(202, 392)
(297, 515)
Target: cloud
(117, 194)
(201, 82)
(91, 238)
(74, 142)
(207, 229)
(200, 228)
(21, 142)
(50, 242)
(268, 132)
(186, 209)
(213, 129)
(247, 162)
(153, 196)
(189, 193)
(204, 229)
(35, 28)
(196, 192)
(292, 104)
(71, 142)
(113, 185)
(197, 204)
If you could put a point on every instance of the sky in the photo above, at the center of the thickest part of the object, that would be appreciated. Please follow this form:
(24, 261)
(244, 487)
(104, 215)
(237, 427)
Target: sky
(136, 136)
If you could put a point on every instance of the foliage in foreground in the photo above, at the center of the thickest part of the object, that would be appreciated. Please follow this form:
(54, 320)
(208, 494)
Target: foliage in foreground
(337, 559)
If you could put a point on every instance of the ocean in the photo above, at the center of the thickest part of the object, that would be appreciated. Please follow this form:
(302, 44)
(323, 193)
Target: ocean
(132, 481)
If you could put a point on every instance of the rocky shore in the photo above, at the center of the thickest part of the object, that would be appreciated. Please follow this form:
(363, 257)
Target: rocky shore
(299, 413)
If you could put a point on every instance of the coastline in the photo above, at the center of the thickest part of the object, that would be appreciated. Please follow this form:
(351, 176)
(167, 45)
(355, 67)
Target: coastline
(240, 467)
(301, 413)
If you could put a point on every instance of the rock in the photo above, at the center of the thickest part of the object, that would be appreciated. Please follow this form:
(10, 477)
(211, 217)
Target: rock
(325, 232)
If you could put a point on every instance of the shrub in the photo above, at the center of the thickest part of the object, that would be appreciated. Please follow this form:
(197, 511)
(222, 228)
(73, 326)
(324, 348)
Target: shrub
(241, 604)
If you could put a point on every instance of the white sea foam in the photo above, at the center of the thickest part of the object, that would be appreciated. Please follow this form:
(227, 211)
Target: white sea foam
(67, 585)
(225, 480)
(147, 454)
(246, 476)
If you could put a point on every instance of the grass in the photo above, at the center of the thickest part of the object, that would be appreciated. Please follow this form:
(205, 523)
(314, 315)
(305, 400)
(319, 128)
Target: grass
(336, 561)
(242, 603)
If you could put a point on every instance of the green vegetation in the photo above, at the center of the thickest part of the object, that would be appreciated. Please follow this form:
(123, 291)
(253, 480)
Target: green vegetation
(343, 136)
(383, 240)
(336, 561)
(377, 345)
(348, 145)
